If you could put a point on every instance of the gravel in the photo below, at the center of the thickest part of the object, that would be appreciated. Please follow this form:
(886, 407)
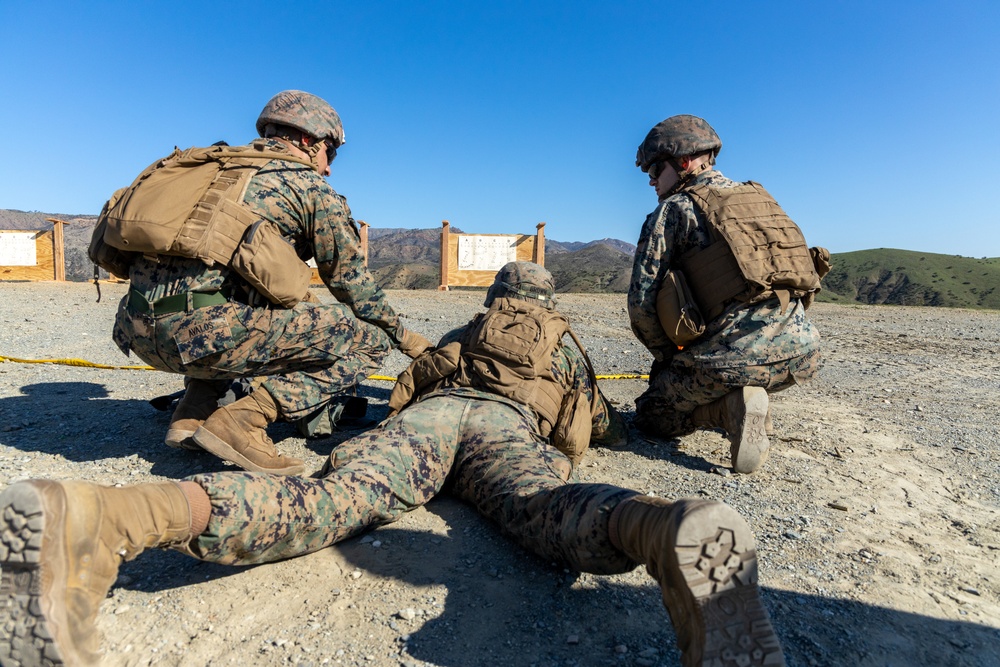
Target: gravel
(876, 516)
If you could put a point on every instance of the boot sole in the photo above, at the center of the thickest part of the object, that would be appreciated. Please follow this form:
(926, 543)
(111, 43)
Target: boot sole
(212, 443)
(29, 622)
(712, 589)
(750, 445)
(181, 439)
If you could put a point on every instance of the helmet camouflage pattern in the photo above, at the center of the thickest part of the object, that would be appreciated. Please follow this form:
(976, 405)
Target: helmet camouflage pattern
(305, 112)
(675, 137)
(526, 281)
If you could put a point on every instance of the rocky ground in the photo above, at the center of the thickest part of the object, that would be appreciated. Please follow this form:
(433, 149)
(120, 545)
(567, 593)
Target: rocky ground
(876, 514)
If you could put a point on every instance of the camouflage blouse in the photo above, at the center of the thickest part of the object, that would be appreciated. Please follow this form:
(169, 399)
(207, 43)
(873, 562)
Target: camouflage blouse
(314, 218)
(742, 335)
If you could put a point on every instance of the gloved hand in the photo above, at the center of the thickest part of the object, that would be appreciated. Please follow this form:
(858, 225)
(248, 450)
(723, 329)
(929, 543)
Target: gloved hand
(412, 344)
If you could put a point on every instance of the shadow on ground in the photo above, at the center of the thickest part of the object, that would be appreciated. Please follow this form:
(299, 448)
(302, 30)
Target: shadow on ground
(508, 608)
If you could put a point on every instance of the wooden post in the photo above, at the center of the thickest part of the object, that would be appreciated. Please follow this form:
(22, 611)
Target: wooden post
(363, 233)
(444, 255)
(58, 253)
(540, 244)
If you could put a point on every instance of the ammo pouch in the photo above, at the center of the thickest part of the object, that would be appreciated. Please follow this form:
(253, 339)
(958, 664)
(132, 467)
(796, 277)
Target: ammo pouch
(270, 265)
(190, 204)
(430, 367)
(677, 310)
(575, 423)
(571, 433)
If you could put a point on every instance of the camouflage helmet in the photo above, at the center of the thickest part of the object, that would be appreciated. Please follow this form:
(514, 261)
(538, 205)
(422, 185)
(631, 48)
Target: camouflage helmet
(526, 281)
(306, 113)
(675, 137)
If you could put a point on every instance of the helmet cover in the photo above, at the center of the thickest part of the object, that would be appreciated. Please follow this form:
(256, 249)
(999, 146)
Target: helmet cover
(675, 137)
(526, 281)
(305, 112)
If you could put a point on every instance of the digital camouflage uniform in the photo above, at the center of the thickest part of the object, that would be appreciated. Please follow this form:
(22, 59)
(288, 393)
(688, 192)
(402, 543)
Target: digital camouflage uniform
(308, 353)
(747, 345)
(491, 448)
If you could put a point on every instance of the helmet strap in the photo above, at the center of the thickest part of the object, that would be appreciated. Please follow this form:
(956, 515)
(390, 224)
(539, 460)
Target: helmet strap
(313, 150)
(298, 140)
(684, 174)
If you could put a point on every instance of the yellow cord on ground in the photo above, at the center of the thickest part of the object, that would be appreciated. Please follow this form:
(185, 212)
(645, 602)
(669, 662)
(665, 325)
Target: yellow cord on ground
(76, 362)
(384, 378)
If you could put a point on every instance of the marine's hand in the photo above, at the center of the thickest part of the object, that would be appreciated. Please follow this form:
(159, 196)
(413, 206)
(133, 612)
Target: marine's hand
(412, 344)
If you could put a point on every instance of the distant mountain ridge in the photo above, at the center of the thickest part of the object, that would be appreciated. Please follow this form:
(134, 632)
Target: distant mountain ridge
(402, 258)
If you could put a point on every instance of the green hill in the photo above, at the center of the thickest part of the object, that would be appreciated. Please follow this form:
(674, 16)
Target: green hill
(909, 278)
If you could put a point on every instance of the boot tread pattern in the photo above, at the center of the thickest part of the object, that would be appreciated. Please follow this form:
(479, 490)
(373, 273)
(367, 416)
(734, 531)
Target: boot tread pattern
(717, 559)
(25, 639)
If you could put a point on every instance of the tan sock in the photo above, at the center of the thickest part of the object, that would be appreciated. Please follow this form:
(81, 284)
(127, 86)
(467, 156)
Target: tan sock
(200, 504)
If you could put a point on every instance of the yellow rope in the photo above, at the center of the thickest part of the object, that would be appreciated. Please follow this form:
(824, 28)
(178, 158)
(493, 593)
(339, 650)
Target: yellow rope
(76, 362)
(384, 378)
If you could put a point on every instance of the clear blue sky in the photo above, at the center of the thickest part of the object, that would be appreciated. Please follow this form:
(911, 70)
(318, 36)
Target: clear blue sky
(875, 124)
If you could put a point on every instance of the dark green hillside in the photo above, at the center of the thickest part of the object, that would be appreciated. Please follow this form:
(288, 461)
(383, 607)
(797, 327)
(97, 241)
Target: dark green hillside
(909, 278)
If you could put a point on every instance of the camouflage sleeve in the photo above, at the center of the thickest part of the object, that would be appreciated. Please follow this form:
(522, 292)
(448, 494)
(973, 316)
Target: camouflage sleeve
(318, 222)
(652, 257)
(341, 264)
(570, 370)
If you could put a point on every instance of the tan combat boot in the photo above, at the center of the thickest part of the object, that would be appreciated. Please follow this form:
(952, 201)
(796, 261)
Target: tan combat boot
(742, 414)
(199, 401)
(704, 557)
(60, 547)
(238, 433)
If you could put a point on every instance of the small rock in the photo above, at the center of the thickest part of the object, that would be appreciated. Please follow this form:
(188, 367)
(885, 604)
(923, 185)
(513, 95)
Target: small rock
(573, 640)
(621, 649)
(356, 574)
(406, 614)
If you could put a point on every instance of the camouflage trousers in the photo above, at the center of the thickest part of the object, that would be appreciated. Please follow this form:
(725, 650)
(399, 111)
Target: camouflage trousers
(308, 353)
(677, 387)
(489, 451)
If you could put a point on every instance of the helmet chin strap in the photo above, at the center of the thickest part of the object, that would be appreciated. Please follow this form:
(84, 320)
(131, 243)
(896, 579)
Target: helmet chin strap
(684, 174)
(313, 153)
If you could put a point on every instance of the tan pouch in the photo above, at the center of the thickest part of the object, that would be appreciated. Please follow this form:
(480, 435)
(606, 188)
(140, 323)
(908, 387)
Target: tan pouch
(677, 311)
(571, 433)
(269, 263)
(111, 259)
(821, 260)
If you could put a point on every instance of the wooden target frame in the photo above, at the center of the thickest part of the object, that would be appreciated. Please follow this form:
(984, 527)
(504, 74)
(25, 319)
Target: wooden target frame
(482, 252)
(50, 258)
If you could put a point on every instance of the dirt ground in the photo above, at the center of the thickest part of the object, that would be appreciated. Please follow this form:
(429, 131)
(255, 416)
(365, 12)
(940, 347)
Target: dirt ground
(876, 515)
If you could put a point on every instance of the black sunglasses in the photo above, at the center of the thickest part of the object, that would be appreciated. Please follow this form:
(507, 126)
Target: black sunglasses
(331, 150)
(656, 169)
